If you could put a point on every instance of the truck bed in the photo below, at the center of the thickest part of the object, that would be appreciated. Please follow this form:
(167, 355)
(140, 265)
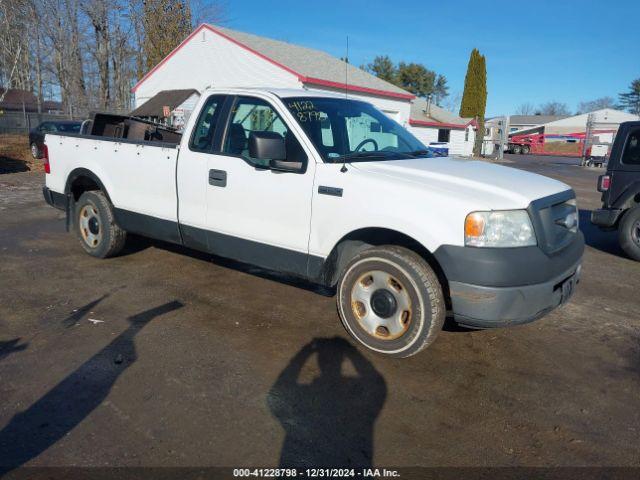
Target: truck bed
(140, 176)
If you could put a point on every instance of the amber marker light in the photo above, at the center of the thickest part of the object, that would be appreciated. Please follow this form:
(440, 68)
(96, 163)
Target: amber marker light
(474, 225)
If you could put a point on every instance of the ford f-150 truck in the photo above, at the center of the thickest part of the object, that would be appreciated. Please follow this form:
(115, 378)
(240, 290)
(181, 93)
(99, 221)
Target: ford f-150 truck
(331, 190)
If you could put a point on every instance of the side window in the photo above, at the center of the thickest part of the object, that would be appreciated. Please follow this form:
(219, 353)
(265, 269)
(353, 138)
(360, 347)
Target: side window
(256, 115)
(204, 129)
(631, 154)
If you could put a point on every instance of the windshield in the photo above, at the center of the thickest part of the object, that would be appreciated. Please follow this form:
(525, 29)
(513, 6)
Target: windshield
(68, 127)
(343, 129)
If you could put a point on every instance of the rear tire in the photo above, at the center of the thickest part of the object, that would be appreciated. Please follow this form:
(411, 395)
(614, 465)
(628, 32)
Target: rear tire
(629, 233)
(95, 225)
(525, 150)
(390, 300)
(516, 149)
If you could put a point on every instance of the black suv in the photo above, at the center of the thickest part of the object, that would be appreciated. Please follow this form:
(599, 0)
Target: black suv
(620, 188)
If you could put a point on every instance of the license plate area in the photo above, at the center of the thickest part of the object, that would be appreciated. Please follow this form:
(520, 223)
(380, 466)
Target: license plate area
(568, 287)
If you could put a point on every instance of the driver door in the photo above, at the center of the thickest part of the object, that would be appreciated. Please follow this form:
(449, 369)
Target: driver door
(256, 214)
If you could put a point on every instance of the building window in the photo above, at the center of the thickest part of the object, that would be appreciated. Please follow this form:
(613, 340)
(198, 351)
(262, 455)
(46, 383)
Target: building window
(444, 135)
(466, 134)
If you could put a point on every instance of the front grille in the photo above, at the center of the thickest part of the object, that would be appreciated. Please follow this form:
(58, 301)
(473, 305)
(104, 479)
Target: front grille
(549, 215)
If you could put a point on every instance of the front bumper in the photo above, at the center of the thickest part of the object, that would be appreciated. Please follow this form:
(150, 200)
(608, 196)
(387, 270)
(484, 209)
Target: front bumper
(501, 287)
(477, 306)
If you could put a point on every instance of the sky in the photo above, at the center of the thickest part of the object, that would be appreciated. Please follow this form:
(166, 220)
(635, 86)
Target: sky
(539, 51)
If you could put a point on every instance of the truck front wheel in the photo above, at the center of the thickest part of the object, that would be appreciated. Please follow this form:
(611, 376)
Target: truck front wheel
(391, 301)
(95, 225)
(629, 233)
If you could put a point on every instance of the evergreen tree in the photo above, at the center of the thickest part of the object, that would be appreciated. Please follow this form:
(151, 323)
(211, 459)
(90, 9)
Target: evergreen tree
(414, 77)
(166, 24)
(382, 67)
(630, 101)
(474, 98)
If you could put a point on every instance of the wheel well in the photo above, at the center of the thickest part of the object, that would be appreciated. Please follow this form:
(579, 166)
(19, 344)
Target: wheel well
(82, 184)
(358, 240)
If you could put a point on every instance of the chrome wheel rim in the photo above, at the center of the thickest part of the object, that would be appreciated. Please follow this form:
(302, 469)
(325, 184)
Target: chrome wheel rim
(90, 228)
(382, 305)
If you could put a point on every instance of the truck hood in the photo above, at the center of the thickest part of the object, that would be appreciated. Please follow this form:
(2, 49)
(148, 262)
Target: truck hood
(495, 186)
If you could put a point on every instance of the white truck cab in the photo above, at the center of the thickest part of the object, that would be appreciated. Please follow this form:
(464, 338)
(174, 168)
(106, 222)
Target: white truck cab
(331, 190)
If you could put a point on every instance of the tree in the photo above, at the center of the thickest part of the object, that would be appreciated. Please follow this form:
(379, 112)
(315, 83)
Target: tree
(526, 108)
(414, 77)
(382, 67)
(554, 108)
(597, 104)
(630, 101)
(474, 97)
(166, 23)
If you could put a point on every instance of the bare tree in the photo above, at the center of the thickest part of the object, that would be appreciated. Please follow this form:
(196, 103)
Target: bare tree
(554, 108)
(14, 49)
(452, 102)
(89, 53)
(526, 108)
(597, 104)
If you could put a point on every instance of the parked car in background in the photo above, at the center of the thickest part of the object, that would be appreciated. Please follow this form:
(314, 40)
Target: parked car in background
(620, 187)
(36, 135)
(439, 149)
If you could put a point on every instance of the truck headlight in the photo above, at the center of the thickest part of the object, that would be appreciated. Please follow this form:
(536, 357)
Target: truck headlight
(500, 228)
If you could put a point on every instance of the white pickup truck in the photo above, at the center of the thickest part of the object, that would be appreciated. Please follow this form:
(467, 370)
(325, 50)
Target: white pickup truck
(331, 190)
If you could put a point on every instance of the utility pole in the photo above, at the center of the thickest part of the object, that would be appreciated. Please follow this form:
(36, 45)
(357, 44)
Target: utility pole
(504, 135)
(587, 136)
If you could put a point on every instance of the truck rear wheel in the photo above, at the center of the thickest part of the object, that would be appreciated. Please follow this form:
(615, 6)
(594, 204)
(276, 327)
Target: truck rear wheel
(629, 233)
(525, 149)
(95, 225)
(391, 301)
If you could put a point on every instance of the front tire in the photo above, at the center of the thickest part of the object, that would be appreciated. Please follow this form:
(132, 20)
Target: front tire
(96, 228)
(629, 233)
(391, 301)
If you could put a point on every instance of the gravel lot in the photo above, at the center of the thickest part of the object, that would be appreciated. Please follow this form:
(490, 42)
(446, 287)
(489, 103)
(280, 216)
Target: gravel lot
(165, 357)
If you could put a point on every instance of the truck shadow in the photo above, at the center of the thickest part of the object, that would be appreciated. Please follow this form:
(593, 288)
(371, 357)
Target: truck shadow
(329, 421)
(600, 240)
(61, 409)
(137, 244)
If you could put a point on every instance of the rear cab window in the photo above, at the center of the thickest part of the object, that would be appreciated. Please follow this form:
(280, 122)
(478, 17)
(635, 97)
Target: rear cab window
(205, 128)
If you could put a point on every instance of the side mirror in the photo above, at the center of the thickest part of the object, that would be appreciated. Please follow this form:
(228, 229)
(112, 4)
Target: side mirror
(271, 146)
(267, 146)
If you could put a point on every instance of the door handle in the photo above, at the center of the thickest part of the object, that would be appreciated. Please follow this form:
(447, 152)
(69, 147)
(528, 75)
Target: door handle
(218, 178)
